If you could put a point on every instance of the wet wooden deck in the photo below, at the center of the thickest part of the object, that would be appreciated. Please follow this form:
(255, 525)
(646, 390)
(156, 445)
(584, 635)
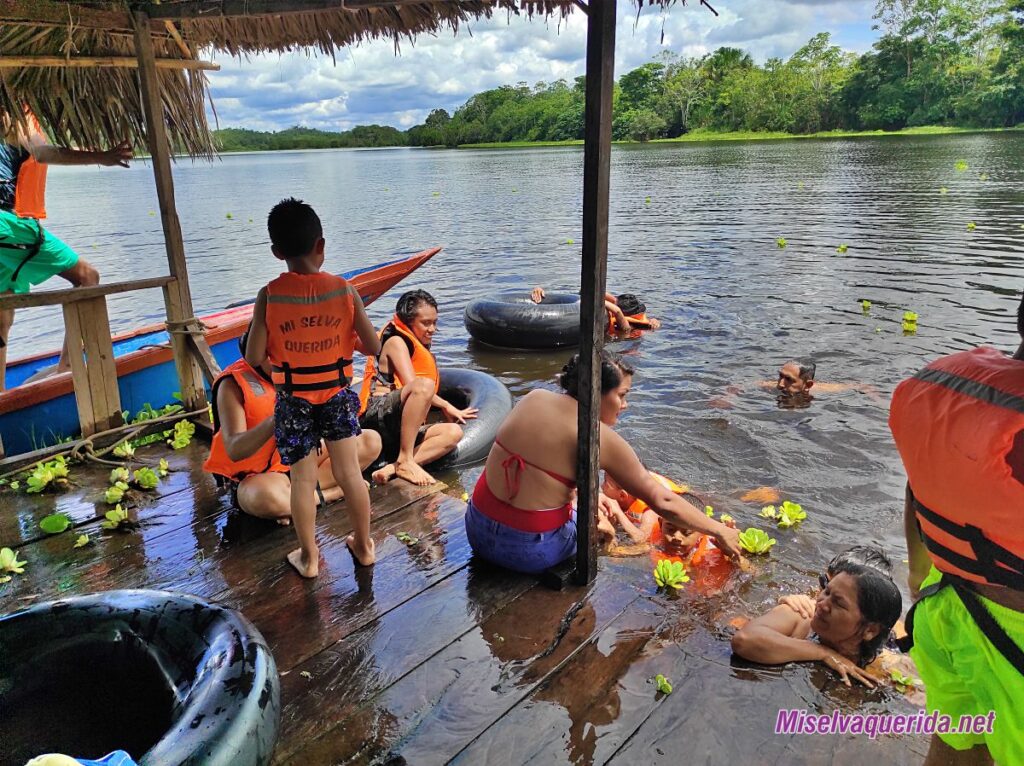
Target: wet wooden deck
(430, 658)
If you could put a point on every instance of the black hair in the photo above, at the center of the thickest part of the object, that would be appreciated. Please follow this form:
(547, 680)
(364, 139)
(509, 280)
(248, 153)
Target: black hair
(879, 601)
(613, 370)
(294, 228)
(243, 340)
(630, 304)
(861, 555)
(1020, 317)
(409, 303)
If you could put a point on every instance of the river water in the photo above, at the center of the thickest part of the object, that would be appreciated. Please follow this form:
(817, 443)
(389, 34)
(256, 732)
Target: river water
(693, 232)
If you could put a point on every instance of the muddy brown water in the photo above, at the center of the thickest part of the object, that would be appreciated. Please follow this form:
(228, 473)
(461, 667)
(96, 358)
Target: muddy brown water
(702, 254)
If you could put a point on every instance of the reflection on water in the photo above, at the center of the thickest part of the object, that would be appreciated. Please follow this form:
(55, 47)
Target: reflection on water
(702, 256)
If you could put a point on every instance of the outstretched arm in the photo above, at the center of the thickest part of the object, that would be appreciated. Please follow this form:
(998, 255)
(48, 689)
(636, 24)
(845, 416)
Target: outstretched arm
(256, 344)
(35, 144)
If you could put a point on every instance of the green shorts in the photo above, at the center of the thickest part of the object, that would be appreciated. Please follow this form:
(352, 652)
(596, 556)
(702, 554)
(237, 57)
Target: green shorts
(964, 674)
(53, 257)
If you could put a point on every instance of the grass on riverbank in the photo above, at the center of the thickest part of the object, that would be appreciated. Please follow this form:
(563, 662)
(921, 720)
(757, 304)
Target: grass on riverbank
(700, 136)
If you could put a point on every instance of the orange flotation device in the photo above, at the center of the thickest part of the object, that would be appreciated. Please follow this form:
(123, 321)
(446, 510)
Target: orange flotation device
(955, 424)
(258, 402)
(423, 364)
(310, 334)
(638, 507)
(30, 185)
(636, 322)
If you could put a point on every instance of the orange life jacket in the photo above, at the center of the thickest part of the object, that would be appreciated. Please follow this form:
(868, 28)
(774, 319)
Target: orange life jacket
(423, 363)
(637, 508)
(636, 322)
(30, 185)
(258, 402)
(310, 334)
(955, 423)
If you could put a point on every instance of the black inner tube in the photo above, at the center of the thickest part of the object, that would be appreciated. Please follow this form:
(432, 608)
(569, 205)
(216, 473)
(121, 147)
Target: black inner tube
(512, 320)
(472, 388)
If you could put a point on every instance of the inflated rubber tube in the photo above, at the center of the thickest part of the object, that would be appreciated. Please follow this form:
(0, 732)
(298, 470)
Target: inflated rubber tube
(472, 388)
(513, 320)
(191, 682)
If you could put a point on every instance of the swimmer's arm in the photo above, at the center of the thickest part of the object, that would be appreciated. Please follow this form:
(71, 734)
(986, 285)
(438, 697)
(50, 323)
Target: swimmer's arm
(917, 552)
(635, 533)
(647, 524)
(369, 343)
(239, 443)
(778, 637)
(256, 344)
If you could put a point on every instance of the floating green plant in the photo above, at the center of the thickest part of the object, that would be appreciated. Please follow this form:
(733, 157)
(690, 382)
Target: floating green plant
(228, 216)
(306, 674)
(148, 413)
(904, 682)
(39, 479)
(570, 242)
(152, 212)
(663, 684)
(15, 485)
(124, 450)
(982, 176)
(437, 194)
(55, 523)
(754, 540)
(943, 190)
(82, 541)
(405, 537)
(182, 436)
(709, 511)
(145, 478)
(781, 242)
(115, 493)
(163, 468)
(9, 562)
(647, 200)
(120, 474)
(790, 514)
(865, 306)
(971, 226)
(117, 519)
(961, 166)
(842, 248)
(769, 512)
(725, 518)
(670, 574)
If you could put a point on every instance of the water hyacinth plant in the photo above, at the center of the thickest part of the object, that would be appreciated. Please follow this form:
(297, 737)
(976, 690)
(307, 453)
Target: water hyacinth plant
(117, 519)
(115, 493)
(52, 475)
(781, 242)
(756, 541)
(120, 474)
(971, 226)
(709, 511)
(124, 450)
(670, 575)
(9, 562)
(902, 681)
(183, 432)
(145, 478)
(790, 514)
(82, 541)
(55, 523)
(961, 166)
(865, 306)
(842, 248)
(663, 684)
(769, 512)
(163, 468)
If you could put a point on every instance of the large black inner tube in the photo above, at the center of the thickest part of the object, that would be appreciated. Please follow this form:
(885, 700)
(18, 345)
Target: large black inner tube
(169, 678)
(513, 320)
(472, 388)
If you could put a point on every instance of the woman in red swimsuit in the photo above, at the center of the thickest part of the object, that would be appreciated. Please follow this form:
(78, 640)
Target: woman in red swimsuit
(521, 517)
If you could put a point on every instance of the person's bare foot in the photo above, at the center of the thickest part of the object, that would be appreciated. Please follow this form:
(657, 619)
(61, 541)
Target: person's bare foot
(364, 556)
(383, 475)
(413, 473)
(307, 569)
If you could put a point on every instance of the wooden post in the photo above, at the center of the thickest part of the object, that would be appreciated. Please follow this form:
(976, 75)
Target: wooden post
(177, 295)
(87, 327)
(597, 150)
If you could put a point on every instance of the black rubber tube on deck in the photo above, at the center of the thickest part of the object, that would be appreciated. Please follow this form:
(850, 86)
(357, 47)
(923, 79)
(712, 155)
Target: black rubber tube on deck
(197, 677)
(513, 320)
(472, 388)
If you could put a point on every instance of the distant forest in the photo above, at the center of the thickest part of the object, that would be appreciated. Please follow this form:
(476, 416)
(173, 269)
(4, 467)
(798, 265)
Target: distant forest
(938, 62)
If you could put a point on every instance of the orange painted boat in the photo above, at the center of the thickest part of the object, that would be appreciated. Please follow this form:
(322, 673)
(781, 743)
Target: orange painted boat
(37, 414)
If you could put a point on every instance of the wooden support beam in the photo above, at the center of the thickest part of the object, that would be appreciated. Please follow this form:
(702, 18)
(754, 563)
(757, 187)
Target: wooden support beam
(176, 36)
(72, 294)
(48, 12)
(87, 327)
(597, 149)
(96, 62)
(192, 9)
(177, 294)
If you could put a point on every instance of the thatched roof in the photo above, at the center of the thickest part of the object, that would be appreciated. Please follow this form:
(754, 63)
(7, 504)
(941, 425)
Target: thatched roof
(93, 106)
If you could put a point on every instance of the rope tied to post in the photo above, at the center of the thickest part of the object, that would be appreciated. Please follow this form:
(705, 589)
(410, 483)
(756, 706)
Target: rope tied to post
(192, 326)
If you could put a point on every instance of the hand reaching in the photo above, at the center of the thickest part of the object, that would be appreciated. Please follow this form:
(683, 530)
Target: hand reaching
(537, 294)
(117, 155)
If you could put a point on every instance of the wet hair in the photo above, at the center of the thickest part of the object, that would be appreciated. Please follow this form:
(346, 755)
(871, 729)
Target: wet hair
(294, 228)
(613, 370)
(806, 368)
(409, 304)
(879, 601)
(861, 555)
(630, 304)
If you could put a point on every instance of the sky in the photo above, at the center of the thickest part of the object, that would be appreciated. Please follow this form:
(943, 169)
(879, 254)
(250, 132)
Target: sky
(370, 83)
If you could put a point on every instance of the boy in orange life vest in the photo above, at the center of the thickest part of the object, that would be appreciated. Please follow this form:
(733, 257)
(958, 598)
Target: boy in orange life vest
(30, 255)
(641, 523)
(306, 323)
(627, 315)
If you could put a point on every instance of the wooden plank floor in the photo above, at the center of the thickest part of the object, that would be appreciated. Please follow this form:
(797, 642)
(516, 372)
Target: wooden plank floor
(430, 657)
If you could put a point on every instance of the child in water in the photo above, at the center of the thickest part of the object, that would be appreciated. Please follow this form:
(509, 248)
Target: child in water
(306, 323)
(643, 525)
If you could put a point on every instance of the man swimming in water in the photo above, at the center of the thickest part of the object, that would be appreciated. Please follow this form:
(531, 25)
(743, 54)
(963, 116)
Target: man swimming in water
(794, 383)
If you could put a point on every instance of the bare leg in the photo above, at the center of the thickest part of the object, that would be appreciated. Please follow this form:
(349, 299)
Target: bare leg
(305, 558)
(438, 441)
(82, 274)
(266, 496)
(6, 320)
(345, 461)
(368, 446)
(941, 754)
(416, 398)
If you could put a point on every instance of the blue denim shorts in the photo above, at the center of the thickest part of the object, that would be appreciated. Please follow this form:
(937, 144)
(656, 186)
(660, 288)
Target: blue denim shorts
(528, 552)
(299, 425)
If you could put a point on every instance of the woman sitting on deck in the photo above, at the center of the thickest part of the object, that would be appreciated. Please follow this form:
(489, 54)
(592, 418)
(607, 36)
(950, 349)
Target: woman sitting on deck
(521, 517)
(853, 614)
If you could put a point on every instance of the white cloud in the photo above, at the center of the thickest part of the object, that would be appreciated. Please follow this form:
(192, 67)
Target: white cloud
(369, 83)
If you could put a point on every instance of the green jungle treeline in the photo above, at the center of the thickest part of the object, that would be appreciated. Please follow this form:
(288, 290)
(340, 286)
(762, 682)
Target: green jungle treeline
(938, 62)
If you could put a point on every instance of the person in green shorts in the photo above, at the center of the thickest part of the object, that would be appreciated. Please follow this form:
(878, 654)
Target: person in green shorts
(30, 255)
(959, 427)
